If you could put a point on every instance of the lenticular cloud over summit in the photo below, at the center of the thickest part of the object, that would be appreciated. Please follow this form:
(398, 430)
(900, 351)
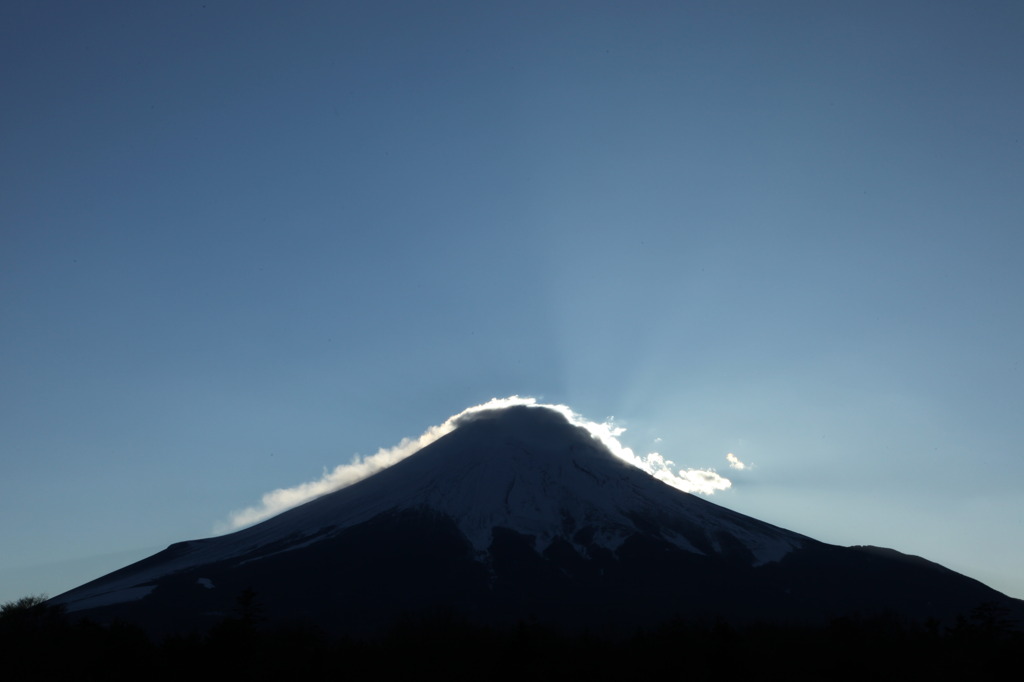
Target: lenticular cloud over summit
(276, 501)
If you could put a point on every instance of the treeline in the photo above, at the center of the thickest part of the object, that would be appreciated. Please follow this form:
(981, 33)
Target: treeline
(40, 642)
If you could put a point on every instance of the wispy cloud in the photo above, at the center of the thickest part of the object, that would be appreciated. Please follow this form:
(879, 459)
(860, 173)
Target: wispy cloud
(735, 462)
(702, 481)
(344, 475)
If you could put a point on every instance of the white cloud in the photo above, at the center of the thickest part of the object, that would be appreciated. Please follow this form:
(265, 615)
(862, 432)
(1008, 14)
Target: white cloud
(276, 501)
(735, 462)
(703, 481)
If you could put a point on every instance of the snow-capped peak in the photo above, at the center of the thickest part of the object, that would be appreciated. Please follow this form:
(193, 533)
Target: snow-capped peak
(531, 469)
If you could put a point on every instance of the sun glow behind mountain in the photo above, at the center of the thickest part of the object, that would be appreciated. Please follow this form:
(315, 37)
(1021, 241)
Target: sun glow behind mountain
(703, 481)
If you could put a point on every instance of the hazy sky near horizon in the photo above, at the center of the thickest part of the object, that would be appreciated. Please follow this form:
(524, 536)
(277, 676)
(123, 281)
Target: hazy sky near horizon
(242, 242)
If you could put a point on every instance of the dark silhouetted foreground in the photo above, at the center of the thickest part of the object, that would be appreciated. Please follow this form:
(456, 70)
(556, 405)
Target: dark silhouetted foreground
(39, 642)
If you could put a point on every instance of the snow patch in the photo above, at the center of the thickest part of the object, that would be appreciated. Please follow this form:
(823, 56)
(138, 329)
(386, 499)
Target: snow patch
(112, 597)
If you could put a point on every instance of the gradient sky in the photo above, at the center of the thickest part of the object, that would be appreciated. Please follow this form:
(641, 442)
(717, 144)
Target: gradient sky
(242, 242)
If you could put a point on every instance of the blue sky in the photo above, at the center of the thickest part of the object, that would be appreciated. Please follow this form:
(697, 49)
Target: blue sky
(242, 242)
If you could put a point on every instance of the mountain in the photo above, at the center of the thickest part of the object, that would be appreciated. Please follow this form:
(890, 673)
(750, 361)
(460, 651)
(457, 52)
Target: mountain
(518, 514)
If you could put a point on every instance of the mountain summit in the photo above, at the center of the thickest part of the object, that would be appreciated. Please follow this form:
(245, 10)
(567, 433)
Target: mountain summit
(518, 513)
